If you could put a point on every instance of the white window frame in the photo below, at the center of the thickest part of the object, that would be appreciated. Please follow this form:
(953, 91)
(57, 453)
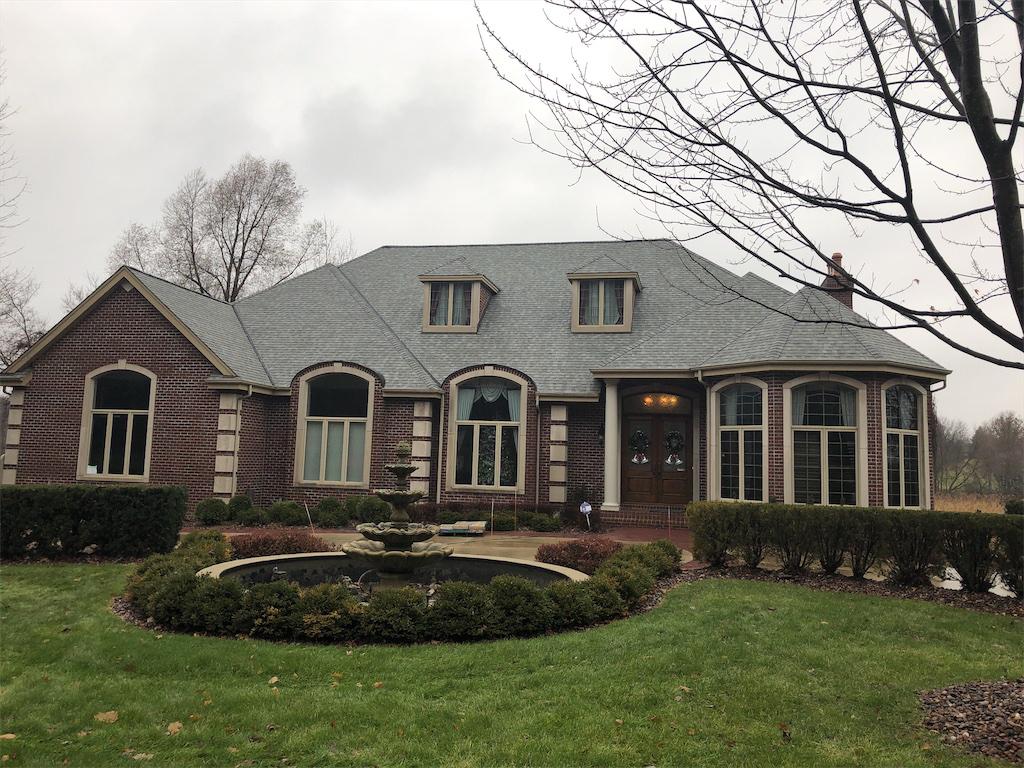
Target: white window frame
(453, 434)
(89, 409)
(303, 419)
(715, 429)
(860, 432)
(923, 456)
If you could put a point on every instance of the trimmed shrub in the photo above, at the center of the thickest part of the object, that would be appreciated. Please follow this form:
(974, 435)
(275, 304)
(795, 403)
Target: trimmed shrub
(329, 612)
(674, 553)
(573, 604)
(544, 523)
(608, 604)
(237, 504)
(658, 560)
(394, 616)
(212, 512)
(1010, 555)
(270, 610)
(752, 535)
(447, 517)
(461, 611)
(252, 517)
(913, 545)
(631, 578)
(370, 509)
(1014, 506)
(792, 536)
(715, 529)
(502, 521)
(585, 554)
(830, 531)
(866, 534)
(522, 608)
(107, 520)
(287, 513)
(197, 550)
(209, 546)
(330, 513)
(281, 541)
(970, 545)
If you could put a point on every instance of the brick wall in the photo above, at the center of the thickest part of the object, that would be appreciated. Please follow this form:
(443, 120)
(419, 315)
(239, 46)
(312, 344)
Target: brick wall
(586, 451)
(122, 326)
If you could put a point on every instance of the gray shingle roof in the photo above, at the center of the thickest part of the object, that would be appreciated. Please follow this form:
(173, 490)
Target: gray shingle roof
(691, 314)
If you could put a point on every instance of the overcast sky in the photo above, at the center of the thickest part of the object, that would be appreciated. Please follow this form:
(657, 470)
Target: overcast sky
(389, 113)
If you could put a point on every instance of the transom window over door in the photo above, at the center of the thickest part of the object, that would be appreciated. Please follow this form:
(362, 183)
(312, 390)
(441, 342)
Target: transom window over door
(335, 429)
(903, 446)
(824, 444)
(117, 424)
(450, 303)
(741, 443)
(488, 433)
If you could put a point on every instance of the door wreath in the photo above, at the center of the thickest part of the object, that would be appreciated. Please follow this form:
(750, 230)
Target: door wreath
(674, 444)
(638, 444)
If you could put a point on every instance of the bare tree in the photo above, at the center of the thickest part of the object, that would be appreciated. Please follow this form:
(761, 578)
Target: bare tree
(776, 125)
(999, 447)
(229, 236)
(955, 466)
(20, 325)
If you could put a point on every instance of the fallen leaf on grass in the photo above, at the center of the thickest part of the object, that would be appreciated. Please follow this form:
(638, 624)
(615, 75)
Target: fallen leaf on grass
(142, 756)
(233, 750)
(7, 736)
(106, 717)
(618, 722)
(274, 680)
(378, 684)
(173, 729)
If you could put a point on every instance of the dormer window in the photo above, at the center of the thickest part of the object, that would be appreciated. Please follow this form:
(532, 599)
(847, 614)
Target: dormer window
(603, 303)
(454, 303)
(450, 303)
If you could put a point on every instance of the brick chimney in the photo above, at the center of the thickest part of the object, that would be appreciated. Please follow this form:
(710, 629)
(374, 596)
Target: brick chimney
(837, 284)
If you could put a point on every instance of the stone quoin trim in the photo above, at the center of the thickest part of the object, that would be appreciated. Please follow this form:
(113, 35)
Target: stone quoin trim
(422, 441)
(558, 440)
(229, 427)
(9, 474)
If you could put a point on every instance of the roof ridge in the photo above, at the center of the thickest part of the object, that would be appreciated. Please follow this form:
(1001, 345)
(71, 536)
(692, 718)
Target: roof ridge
(391, 331)
(536, 242)
(279, 283)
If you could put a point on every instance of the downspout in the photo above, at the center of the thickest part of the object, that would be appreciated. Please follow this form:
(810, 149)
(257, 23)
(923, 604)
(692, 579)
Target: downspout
(441, 442)
(238, 439)
(536, 468)
(706, 464)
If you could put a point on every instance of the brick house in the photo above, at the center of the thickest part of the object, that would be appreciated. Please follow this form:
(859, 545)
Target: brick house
(635, 374)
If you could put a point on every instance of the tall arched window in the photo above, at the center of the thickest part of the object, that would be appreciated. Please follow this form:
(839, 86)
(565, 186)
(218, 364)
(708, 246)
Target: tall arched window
(117, 423)
(824, 424)
(903, 446)
(741, 442)
(488, 429)
(333, 435)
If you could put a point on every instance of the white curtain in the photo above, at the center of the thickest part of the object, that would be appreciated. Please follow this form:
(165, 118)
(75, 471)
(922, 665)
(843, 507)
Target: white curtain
(439, 300)
(512, 394)
(799, 405)
(612, 309)
(908, 408)
(460, 303)
(590, 293)
(467, 396)
(730, 400)
(848, 406)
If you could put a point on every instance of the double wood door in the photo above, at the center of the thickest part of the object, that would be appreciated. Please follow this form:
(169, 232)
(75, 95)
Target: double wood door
(657, 459)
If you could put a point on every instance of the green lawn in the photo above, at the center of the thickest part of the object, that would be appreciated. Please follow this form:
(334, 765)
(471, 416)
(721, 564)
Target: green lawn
(709, 678)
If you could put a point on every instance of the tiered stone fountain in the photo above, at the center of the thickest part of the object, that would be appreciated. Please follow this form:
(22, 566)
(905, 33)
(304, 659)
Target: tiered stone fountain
(398, 546)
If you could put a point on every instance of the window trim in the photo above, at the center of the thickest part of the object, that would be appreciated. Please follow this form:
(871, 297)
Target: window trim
(714, 432)
(453, 433)
(475, 284)
(924, 468)
(860, 431)
(628, 301)
(88, 401)
(300, 428)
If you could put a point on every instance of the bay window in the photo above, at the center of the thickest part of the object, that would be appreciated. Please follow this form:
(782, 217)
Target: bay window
(333, 434)
(489, 430)
(117, 424)
(741, 432)
(903, 482)
(824, 440)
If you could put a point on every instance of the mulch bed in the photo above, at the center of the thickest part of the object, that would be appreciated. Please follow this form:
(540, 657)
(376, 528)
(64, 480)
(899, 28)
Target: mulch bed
(981, 717)
(986, 602)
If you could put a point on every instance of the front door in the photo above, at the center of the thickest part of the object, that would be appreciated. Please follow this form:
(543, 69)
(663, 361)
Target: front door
(657, 459)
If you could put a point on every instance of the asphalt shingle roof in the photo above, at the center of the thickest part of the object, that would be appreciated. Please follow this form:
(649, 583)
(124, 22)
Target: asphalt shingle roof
(691, 314)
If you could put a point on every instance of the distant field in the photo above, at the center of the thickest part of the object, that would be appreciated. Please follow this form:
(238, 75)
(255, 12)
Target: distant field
(969, 502)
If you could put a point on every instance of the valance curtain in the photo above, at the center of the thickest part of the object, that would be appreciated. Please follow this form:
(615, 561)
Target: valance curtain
(488, 390)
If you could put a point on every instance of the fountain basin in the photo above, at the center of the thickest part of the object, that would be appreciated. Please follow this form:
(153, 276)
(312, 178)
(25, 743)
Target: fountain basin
(394, 536)
(310, 568)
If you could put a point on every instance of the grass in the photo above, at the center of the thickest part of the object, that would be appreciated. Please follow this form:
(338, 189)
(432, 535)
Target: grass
(970, 502)
(717, 676)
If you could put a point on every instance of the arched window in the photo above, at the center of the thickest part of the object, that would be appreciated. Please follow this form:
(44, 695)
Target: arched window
(333, 435)
(117, 423)
(741, 442)
(903, 419)
(824, 416)
(489, 430)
